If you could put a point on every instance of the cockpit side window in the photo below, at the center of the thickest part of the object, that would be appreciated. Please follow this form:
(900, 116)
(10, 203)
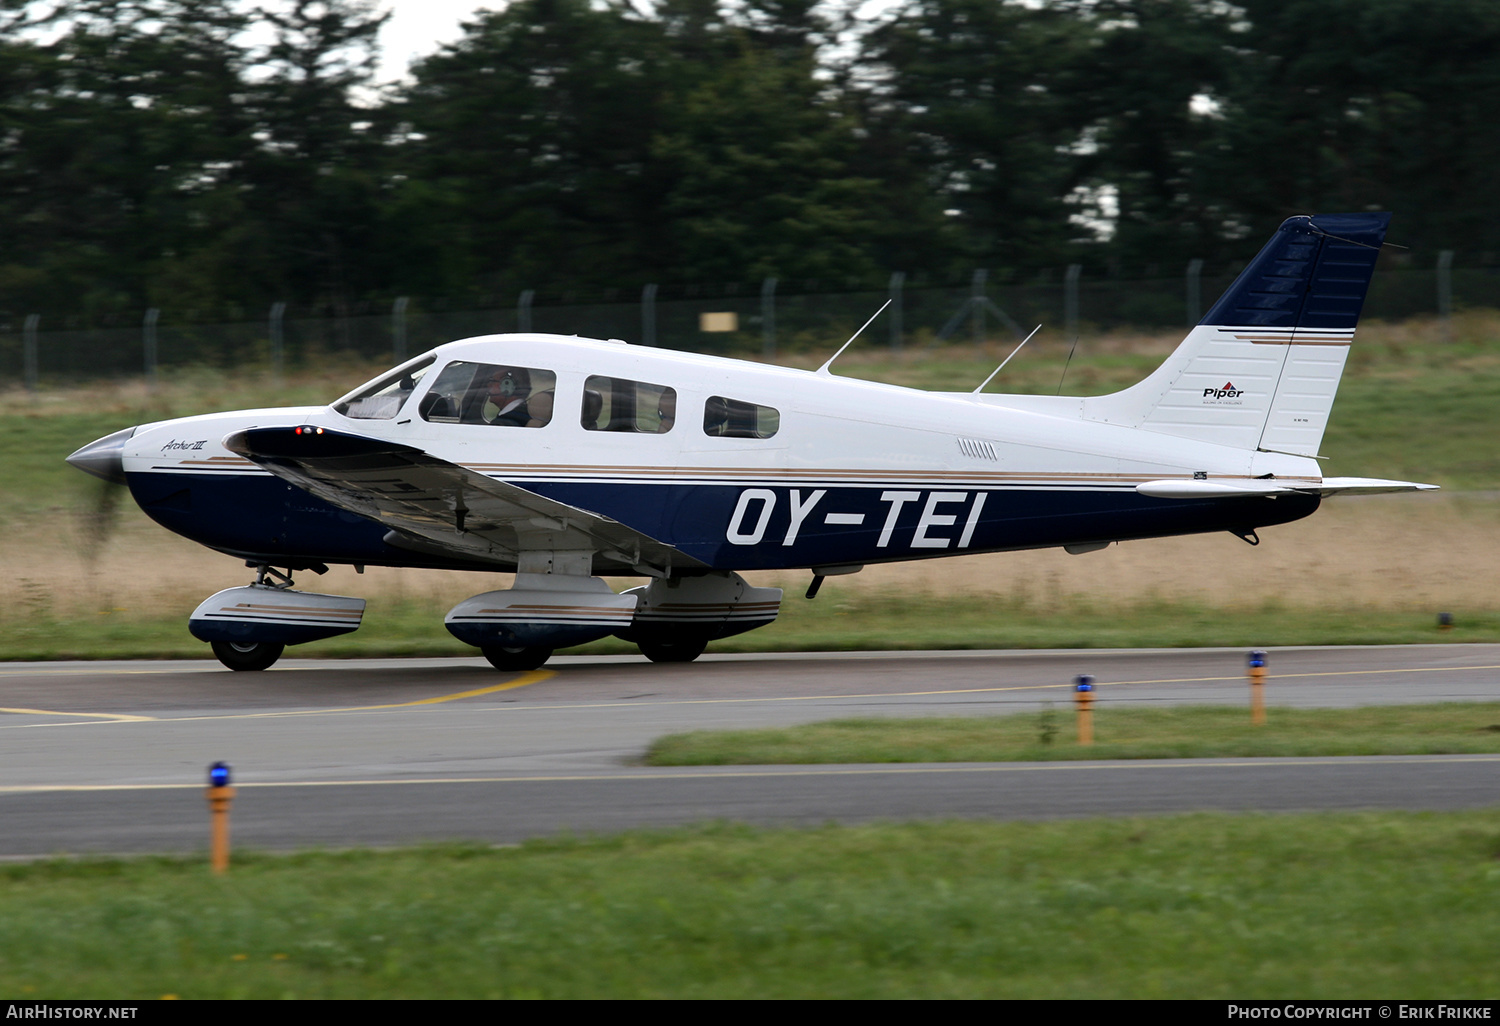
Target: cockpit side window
(618, 404)
(384, 399)
(495, 394)
(732, 418)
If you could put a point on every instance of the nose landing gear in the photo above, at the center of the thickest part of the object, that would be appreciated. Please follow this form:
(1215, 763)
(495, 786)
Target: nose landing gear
(247, 655)
(250, 627)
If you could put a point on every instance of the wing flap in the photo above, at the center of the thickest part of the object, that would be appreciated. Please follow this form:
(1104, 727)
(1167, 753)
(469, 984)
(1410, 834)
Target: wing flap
(440, 504)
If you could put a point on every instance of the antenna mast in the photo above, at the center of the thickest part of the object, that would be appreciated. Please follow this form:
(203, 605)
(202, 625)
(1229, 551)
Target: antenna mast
(1003, 362)
(824, 369)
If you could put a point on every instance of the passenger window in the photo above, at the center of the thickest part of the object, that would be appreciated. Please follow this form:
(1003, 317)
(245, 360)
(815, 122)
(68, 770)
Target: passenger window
(383, 399)
(618, 404)
(484, 393)
(730, 418)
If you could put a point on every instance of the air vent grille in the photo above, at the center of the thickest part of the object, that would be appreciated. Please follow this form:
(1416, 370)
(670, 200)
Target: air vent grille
(977, 450)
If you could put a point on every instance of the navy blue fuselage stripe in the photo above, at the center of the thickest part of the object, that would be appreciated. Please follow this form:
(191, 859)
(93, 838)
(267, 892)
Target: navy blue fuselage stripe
(266, 517)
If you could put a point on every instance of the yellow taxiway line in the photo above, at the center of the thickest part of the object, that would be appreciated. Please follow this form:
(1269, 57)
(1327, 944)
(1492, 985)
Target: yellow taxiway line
(537, 676)
(108, 717)
(526, 679)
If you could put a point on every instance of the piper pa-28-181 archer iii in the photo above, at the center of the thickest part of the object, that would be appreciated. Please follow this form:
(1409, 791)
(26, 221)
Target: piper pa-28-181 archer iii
(564, 459)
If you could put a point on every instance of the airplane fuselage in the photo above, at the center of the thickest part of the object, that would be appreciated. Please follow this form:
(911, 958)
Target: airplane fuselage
(566, 459)
(848, 472)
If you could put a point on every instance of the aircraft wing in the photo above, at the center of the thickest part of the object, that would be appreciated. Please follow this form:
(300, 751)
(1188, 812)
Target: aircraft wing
(437, 507)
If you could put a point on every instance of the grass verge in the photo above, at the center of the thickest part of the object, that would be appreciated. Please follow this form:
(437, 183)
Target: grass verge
(872, 621)
(1201, 906)
(1177, 732)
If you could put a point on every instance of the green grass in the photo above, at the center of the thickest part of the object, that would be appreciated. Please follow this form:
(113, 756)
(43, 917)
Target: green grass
(1202, 906)
(1177, 732)
(31, 628)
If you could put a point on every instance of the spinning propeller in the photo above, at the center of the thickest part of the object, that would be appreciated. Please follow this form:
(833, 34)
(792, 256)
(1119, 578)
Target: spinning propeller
(102, 459)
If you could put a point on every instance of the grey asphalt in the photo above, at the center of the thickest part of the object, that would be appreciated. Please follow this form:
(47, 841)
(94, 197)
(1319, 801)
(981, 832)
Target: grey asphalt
(110, 757)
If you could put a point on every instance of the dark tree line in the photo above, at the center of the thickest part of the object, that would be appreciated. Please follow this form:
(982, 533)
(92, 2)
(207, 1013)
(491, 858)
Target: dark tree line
(151, 156)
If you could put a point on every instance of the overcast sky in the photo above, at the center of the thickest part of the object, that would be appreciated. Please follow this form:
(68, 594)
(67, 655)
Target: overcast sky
(418, 27)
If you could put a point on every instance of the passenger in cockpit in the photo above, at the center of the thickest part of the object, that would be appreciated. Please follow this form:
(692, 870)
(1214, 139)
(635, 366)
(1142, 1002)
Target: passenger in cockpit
(666, 410)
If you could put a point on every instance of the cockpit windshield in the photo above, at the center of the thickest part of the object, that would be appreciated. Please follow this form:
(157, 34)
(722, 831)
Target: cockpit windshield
(384, 398)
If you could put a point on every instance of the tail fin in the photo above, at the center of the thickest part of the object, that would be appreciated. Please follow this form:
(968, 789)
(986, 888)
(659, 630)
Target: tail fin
(1261, 369)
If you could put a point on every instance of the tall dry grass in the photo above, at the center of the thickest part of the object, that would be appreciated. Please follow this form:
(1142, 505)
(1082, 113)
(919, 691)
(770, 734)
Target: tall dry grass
(1401, 552)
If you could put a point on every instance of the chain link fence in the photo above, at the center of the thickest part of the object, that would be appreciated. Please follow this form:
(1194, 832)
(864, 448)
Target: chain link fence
(725, 320)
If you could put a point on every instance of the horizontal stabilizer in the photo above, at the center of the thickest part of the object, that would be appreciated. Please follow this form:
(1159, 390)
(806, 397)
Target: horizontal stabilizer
(1370, 486)
(1181, 489)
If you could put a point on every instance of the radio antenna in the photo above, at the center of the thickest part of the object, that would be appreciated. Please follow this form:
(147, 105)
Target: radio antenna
(824, 369)
(1003, 362)
(1066, 366)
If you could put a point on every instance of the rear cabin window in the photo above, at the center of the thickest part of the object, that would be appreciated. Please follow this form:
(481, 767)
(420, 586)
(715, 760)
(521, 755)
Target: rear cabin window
(487, 393)
(618, 404)
(384, 399)
(731, 418)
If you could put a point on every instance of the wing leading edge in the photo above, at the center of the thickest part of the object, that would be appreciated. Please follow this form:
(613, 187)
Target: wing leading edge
(436, 506)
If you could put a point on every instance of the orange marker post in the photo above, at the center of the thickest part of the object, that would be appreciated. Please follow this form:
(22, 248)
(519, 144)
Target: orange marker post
(1083, 697)
(1257, 667)
(219, 794)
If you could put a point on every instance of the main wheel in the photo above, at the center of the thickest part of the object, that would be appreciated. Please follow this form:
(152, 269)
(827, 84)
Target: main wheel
(241, 655)
(683, 650)
(516, 659)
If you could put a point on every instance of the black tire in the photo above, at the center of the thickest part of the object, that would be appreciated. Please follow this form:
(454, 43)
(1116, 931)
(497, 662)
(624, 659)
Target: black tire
(682, 650)
(515, 660)
(242, 655)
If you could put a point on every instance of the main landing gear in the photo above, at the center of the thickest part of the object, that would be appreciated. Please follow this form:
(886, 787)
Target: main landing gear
(517, 659)
(679, 650)
(672, 620)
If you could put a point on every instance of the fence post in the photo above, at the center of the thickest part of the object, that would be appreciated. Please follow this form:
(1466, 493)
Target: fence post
(648, 315)
(398, 329)
(28, 350)
(278, 312)
(523, 310)
(1194, 291)
(1445, 289)
(976, 301)
(768, 318)
(1070, 298)
(898, 279)
(148, 340)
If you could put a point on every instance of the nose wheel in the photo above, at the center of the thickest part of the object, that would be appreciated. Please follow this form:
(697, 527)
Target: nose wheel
(247, 655)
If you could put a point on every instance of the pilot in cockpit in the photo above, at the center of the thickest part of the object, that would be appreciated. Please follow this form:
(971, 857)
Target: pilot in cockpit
(505, 391)
(504, 397)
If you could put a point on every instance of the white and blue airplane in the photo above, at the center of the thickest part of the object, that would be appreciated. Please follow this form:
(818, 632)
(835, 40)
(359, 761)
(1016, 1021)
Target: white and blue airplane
(564, 459)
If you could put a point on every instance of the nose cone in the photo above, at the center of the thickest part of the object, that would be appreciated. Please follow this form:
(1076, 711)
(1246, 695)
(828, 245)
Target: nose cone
(104, 458)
